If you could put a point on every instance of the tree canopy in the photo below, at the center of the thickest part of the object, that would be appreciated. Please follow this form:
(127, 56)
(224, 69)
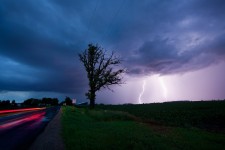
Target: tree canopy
(102, 70)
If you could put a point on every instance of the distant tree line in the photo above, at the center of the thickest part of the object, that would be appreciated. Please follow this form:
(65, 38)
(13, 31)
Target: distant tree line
(41, 102)
(34, 102)
(31, 102)
(7, 103)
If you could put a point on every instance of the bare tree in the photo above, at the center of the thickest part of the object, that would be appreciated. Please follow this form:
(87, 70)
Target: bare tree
(100, 69)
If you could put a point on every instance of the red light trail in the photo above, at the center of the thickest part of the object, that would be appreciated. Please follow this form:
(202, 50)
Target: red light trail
(19, 110)
(23, 120)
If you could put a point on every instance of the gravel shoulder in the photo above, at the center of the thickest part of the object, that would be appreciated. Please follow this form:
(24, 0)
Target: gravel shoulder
(50, 138)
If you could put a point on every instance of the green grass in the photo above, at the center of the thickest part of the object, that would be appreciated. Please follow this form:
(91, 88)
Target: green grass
(104, 129)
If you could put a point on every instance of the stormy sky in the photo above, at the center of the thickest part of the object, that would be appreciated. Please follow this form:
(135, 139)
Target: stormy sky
(173, 50)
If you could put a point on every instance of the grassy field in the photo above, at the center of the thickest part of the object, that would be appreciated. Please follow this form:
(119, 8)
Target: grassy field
(202, 114)
(109, 127)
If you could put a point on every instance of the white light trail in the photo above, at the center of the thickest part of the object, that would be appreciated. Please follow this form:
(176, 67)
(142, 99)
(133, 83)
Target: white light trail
(163, 87)
(142, 92)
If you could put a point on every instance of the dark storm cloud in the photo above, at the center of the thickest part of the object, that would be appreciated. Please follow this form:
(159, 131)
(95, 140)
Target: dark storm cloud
(36, 51)
(39, 40)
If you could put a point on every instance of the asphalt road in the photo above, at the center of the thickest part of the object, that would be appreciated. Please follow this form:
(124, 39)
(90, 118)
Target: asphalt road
(18, 131)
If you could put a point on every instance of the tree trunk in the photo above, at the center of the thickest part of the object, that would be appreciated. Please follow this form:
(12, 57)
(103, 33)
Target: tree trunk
(92, 99)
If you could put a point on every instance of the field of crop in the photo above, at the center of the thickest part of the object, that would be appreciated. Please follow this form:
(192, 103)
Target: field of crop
(150, 126)
(202, 114)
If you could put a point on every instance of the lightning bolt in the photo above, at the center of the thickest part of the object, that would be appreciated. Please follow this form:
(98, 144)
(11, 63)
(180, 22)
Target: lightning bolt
(142, 92)
(163, 87)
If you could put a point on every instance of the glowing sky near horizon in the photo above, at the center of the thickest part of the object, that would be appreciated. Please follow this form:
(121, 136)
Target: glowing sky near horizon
(204, 84)
(172, 50)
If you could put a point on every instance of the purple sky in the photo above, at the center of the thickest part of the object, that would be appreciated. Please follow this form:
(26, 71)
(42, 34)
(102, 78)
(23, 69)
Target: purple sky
(177, 48)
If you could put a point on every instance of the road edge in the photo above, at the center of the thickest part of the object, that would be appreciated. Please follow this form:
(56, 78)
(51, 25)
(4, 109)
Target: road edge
(50, 138)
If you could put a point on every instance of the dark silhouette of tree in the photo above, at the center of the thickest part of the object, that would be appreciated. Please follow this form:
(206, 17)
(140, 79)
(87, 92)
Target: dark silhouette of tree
(44, 101)
(13, 103)
(55, 101)
(100, 71)
(49, 101)
(32, 102)
(5, 103)
(68, 101)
